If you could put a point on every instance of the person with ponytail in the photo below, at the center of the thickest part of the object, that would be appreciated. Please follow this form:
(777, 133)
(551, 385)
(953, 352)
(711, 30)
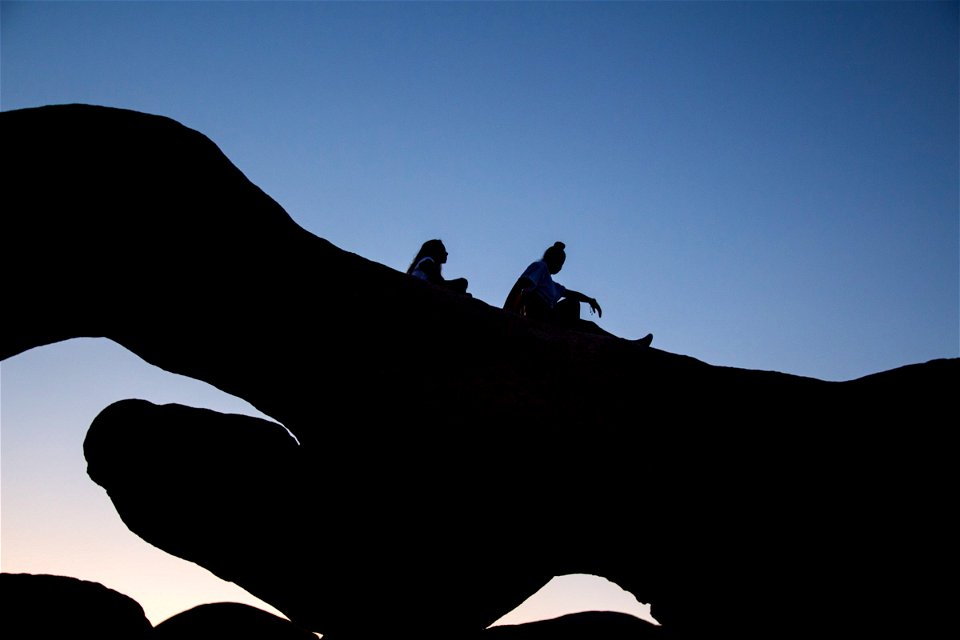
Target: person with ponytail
(427, 266)
(538, 296)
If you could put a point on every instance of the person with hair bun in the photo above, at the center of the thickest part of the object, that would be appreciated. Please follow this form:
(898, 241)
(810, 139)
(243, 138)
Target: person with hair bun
(536, 295)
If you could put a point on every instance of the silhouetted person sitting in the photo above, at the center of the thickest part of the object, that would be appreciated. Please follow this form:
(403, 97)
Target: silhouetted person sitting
(536, 295)
(428, 263)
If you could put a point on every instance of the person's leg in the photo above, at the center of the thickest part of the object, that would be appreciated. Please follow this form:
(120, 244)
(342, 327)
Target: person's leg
(567, 312)
(534, 307)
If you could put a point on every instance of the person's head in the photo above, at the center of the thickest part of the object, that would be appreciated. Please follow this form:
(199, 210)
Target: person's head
(555, 256)
(430, 249)
(434, 249)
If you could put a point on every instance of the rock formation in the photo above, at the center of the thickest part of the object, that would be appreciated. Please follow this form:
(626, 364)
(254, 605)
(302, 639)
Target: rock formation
(587, 625)
(228, 620)
(45, 607)
(450, 458)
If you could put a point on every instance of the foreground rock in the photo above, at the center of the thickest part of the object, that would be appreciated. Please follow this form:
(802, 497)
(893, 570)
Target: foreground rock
(452, 458)
(228, 620)
(588, 625)
(47, 607)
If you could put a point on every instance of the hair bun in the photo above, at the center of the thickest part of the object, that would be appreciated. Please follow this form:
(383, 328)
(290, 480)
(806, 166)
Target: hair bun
(559, 245)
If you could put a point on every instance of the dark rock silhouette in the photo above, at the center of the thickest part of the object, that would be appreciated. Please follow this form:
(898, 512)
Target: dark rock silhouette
(228, 620)
(46, 607)
(587, 625)
(734, 501)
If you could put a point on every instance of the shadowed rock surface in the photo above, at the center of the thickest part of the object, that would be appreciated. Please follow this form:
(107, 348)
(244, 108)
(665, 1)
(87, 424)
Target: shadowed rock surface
(228, 620)
(588, 625)
(438, 497)
(46, 607)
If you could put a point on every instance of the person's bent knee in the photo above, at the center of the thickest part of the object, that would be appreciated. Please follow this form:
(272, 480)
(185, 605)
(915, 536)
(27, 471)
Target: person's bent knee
(568, 310)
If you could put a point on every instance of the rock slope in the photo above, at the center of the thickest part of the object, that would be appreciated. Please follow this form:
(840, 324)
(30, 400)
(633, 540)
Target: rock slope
(449, 457)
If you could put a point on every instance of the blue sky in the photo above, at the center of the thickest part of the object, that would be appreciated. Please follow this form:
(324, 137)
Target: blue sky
(763, 185)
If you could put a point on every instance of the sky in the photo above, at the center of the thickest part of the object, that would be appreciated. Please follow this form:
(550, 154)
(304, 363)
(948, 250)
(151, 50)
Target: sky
(764, 185)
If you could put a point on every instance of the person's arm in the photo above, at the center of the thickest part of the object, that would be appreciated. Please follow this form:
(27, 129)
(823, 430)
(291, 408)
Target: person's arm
(580, 297)
(514, 301)
(431, 269)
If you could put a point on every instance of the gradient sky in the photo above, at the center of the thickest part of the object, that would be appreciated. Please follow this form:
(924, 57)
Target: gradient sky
(762, 185)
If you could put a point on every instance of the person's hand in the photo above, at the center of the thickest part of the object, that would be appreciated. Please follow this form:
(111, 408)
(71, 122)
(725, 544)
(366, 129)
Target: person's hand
(595, 307)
